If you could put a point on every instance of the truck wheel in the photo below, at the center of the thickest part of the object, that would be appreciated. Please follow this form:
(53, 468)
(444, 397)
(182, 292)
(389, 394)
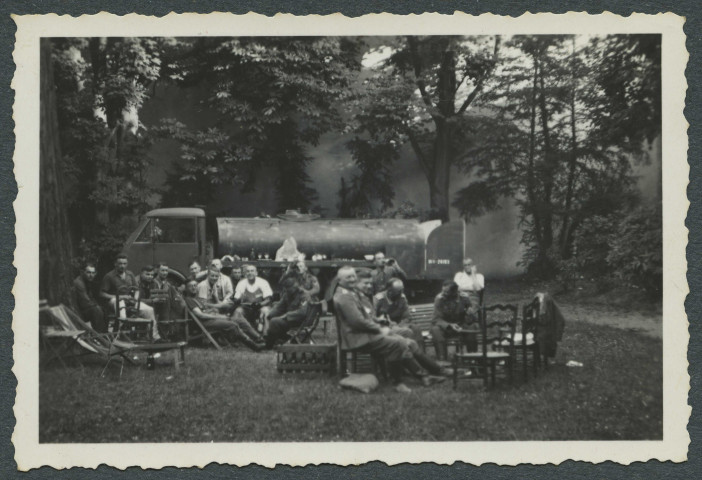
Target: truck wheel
(176, 278)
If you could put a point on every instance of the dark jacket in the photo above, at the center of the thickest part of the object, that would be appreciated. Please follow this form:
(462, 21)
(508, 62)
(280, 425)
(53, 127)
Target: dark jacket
(450, 310)
(397, 311)
(85, 295)
(551, 325)
(294, 306)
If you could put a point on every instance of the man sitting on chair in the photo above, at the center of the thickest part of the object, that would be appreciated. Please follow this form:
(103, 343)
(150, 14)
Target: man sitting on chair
(289, 312)
(173, 305)
(359, 332)
(85, 295)
(470, 283)
(216, 290)
(450, 310)
(392, 309)
(255, 295)
(213, 321)
(118, 278)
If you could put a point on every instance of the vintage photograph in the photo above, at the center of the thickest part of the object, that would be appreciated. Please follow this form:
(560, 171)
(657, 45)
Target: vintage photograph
(350, 238)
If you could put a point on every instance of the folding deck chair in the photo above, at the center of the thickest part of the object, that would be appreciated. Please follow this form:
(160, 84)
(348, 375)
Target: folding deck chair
(303, 333)
(107, 345)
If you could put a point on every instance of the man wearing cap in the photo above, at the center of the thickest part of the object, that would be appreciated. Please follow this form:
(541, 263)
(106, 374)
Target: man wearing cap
(289, 312)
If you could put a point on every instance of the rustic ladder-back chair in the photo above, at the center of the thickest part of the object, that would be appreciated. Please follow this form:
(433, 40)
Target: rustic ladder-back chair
(496, 345)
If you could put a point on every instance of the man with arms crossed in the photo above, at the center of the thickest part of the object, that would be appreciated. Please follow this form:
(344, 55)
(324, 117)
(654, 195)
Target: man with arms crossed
(85, 294)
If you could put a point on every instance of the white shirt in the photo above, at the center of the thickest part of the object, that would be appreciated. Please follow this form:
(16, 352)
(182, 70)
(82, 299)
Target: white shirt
(469, 283)
(258, 284)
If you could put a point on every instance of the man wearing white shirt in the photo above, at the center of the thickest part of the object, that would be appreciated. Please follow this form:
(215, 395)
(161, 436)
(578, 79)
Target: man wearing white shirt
(216, 290)
(255, 295)
(470, 282)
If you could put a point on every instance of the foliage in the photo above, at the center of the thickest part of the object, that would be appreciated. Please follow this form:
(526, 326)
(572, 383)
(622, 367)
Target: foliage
(101, 83)
(272, 96)
(560, 136)
(417, 94)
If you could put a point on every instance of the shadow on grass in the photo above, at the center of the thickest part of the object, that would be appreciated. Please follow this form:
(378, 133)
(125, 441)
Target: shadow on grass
(237, 396)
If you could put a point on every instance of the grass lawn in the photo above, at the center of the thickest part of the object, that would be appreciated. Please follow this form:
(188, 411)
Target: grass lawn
(238, 396)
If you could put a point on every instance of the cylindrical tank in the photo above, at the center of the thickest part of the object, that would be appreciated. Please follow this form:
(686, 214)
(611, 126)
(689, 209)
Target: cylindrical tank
(340, 239)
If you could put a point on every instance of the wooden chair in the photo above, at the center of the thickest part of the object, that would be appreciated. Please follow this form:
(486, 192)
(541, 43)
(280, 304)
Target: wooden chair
(130, 326)
(497, 325)
(359, 360)
(422, 315)
(527, 342)
(203, 331)
(303, 333)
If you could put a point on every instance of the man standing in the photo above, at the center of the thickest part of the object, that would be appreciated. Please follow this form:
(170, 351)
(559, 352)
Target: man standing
(359, 332)
(255, 295)
(216, 290)
(213, 321)
(118, 279)
(391, 306)
(385, 269)
(287, 313)
(85, 295)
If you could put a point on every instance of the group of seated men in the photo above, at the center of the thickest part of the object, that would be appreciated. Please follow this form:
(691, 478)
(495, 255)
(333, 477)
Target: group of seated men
(373, 311)
(244, 313)
(381, 324)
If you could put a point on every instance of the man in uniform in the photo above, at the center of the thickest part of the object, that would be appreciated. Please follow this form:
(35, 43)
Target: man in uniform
(391, 306)
(450, 317)
(85, 295)
(289, 312)
(359, 332)
(385, 269)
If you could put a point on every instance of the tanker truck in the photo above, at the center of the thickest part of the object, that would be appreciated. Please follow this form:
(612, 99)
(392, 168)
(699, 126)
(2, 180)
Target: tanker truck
(427, 251)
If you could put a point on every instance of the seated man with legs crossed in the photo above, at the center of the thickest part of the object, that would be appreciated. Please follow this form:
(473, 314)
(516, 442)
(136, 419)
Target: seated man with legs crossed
(215, 322)
(287, 313)
(359, 332)
(391, 308)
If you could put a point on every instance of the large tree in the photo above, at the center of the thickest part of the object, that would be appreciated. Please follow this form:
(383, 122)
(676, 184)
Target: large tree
(561, 132)
(54, 238)
(419, 94)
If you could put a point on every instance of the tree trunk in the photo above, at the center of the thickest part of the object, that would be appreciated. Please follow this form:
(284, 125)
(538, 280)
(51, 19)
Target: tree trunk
(439, 183)
(566, 227)
(55, 246)
(548, 171)
(534, 205)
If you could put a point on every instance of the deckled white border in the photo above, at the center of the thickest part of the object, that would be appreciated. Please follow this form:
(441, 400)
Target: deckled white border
(30, 454)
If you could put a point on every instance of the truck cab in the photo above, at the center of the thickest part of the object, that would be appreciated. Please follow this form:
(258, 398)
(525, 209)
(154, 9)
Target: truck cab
(175, 236)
